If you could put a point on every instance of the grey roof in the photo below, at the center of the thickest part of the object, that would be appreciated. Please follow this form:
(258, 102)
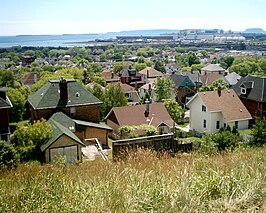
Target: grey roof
(194, 76)
(100, 125)
(213, 68)
(5, 103)
(57, 131)
(67, 122)
(181, 80)
(232, 78)
(255, 88)
(48, 96)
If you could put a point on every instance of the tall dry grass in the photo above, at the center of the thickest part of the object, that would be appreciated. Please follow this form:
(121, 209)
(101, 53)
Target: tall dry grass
(227, 182)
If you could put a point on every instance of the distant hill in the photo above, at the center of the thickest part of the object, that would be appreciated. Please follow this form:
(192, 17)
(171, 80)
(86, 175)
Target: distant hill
(141, 32)
(255, 30)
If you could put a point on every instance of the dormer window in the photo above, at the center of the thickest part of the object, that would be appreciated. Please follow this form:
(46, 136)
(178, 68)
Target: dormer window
(243, 91)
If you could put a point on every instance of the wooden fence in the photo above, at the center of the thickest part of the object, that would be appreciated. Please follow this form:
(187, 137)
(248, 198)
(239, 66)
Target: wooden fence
(165, 142)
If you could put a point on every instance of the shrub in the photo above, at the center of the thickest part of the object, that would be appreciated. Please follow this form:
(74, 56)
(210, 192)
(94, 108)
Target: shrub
(8, 156)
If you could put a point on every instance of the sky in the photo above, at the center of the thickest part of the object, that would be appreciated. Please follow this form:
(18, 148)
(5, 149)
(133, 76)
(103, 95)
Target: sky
(33, 17)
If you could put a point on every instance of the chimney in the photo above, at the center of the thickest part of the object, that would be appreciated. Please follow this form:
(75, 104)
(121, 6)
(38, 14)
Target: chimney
(112, 75)
(147, 108)
(136, 86)
(63, 88)
(3, 93)
(219, 90)
(147, 73)
(149, 89)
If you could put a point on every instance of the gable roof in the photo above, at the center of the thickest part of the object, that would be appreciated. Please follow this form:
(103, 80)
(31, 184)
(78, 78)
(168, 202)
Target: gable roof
(256, 88)
(134, 115)
(110, 76)
(151, 72)
(193, 75)
(181, 80)
(213, 68)
(4, 100)
(232, 78)
(48, 96)
(31, 78)
(228, 103)
(57, 131)
(209, 78)
(67, 122)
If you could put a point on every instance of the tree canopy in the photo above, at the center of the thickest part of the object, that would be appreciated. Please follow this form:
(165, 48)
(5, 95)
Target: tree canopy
(164, 88)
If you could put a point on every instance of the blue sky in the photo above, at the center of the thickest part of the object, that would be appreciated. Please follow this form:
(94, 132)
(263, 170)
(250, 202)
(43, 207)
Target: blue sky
(100, 16)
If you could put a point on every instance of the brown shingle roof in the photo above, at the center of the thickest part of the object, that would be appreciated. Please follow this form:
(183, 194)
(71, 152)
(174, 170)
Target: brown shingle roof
(151, 72)
(134, 115)
(228, 103)
(209, 78)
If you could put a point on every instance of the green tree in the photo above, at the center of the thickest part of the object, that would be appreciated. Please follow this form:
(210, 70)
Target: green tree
(192, 59)
(259, 132)
(159, 65)
(174, 109)
(113, 97)
(8, 156)
(196, 67)
(118, 66)
(214, 86)
(227, 61)
(140, 66)
(28, 139)
(6, 78)
(98, 91)
(164, 88)
(18, 101)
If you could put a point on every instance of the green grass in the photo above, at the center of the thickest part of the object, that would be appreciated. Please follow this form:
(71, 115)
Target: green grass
(145, 182)
(183, 125)
(245, 131)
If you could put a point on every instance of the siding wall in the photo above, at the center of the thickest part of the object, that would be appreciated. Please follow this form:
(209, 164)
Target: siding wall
(63, 141)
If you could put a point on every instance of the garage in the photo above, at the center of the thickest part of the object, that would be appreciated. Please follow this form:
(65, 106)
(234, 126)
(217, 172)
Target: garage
(70, 152)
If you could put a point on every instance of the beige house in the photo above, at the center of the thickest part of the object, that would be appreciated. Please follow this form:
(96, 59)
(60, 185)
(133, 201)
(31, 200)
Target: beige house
(211, 110)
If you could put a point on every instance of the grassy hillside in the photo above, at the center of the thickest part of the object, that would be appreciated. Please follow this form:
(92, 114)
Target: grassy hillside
(228, 182)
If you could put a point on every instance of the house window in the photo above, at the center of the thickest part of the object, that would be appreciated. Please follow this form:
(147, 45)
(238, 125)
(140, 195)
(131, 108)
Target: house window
(217, 124)
(72, 111)
(204, 123)
(203, 108)
(236, 124)
(243, 91)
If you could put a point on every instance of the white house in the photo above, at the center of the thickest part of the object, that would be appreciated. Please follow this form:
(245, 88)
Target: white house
(211, 110)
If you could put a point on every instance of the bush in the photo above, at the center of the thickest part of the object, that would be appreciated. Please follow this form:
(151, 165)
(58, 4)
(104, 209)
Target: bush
(8, 156)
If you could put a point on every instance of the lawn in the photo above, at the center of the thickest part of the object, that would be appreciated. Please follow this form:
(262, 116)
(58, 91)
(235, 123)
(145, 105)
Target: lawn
(145, 182)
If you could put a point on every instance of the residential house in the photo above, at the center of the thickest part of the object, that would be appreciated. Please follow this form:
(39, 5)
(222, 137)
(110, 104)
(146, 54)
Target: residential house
(150, 73)
(252, 92)
(147, 91)
(63, 142)
(72, 106)
(110, 77)
(152, 114)
(231, 78)
(213, 68)
(67, 96)
(211, 110)
(131, 94)
(184, 87)
(30, 79)
(195, 76)
(5, 106)
(131, 77)
(209, 78)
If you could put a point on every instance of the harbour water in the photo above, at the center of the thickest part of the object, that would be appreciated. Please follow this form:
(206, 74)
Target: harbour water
(67, 40)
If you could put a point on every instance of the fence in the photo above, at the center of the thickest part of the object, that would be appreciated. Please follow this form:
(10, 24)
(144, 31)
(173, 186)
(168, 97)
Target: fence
(165, 142)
